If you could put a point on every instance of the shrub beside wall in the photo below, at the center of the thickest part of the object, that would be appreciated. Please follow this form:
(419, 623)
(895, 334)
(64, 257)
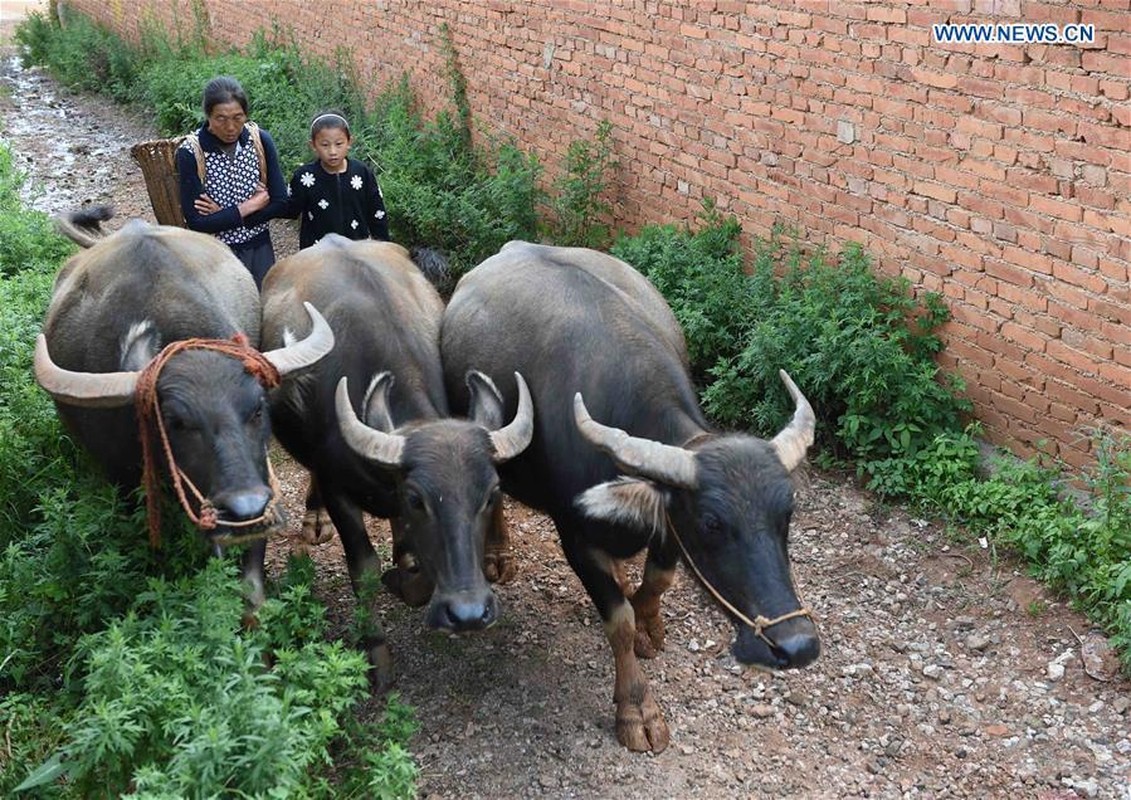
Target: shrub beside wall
(995, 175)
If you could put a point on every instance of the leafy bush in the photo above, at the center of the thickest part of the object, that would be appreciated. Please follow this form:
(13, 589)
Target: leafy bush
(701, 274)
(179, 701)
(85, 57)
(579, 209)
(1079, 543)
(859, 344)
(28, 242)
(444, 193)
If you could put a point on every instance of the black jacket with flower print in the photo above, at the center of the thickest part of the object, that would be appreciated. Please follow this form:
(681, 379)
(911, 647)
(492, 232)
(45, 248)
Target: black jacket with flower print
(348, 203)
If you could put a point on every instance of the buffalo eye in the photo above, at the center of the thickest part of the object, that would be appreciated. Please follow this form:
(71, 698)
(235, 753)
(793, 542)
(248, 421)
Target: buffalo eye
(415, 501)
(711, 524)
(258, 413)
(492, 500)
(175, 423)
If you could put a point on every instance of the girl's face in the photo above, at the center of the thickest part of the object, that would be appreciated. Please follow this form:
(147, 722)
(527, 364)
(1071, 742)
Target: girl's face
(332, 146)
(226, 120)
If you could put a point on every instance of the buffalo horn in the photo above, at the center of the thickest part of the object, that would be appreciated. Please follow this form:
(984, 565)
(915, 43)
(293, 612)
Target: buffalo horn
(665, 463)
(88, 389)
(794, 440)
(304, 353)
(508, 442)
(386, 449)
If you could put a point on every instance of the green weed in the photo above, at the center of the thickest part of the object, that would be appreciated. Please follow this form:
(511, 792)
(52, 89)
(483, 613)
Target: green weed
(579, 208)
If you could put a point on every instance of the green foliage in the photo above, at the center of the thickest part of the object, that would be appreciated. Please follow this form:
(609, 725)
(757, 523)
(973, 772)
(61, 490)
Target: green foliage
(578, 207)
(858, 343)
(932, 473)
(386, 772)
(28, 242)
(82, 56)
(458, 83)
(702, 277)
(34, 36)
(445, 194)
(179, 700)
(33, 731)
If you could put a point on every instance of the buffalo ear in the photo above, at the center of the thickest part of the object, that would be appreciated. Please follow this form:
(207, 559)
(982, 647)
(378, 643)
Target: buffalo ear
(485, 406)
(139, 346)
(375, 410)
(632, 502)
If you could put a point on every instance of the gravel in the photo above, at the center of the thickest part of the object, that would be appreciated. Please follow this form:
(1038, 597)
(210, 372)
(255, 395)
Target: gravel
(945, 671)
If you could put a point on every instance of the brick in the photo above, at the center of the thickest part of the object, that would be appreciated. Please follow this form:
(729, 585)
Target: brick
(1110, 136)
(1071, 212)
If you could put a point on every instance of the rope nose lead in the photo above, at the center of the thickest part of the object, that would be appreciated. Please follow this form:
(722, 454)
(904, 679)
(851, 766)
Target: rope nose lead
(148, 410)
(760, 623)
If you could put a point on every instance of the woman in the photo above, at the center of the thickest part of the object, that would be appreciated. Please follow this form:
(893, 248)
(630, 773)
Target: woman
(230, 179)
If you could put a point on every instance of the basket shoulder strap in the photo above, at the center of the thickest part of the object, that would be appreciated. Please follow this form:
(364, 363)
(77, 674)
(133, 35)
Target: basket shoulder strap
(257, 141)
(194, 143)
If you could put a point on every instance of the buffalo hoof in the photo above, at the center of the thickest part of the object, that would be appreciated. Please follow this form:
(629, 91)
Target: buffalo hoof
(649, 633)
(317, 527)
(411, 586)
(380, 668)
(499, 566)
(649, 637)
(641, 726)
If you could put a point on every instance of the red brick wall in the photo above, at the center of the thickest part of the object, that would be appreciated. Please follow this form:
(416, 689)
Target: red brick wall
(998, 175)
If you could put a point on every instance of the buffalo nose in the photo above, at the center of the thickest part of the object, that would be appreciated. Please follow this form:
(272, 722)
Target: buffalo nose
(464, 614)
(238, 506)
(799, 649)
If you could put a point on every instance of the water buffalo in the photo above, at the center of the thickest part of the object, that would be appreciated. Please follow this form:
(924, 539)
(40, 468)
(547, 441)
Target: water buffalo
(114, 308)
(622, 458)
(371, 423)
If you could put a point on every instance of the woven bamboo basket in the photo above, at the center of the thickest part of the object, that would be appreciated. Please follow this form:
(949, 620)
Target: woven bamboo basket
(159, 166)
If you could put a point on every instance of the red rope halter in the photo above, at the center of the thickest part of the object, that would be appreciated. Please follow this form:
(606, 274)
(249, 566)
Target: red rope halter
(149, 411)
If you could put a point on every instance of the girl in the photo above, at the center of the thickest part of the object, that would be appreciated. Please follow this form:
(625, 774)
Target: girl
(230, 180)
(336, 193)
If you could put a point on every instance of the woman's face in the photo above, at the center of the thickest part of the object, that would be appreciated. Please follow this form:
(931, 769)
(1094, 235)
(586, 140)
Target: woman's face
(226, 121)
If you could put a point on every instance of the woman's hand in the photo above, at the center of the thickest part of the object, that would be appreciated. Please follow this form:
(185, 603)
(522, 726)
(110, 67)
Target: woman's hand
(205, 205)
(256, 202)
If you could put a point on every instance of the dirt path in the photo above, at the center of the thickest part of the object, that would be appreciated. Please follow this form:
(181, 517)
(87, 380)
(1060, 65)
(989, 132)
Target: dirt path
(941, 669)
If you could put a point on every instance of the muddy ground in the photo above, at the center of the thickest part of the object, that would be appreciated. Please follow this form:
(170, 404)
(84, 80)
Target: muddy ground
(945, 671)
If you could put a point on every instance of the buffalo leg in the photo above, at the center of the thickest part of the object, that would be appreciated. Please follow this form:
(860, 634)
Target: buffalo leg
(499, 563)
(640, 724)
(251, 567)
(659, 574)
(365, 573)
(317, 527)
(405, 579)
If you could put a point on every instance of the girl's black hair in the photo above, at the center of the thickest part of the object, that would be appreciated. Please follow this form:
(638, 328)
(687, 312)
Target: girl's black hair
(224, 89)
(328, 119)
